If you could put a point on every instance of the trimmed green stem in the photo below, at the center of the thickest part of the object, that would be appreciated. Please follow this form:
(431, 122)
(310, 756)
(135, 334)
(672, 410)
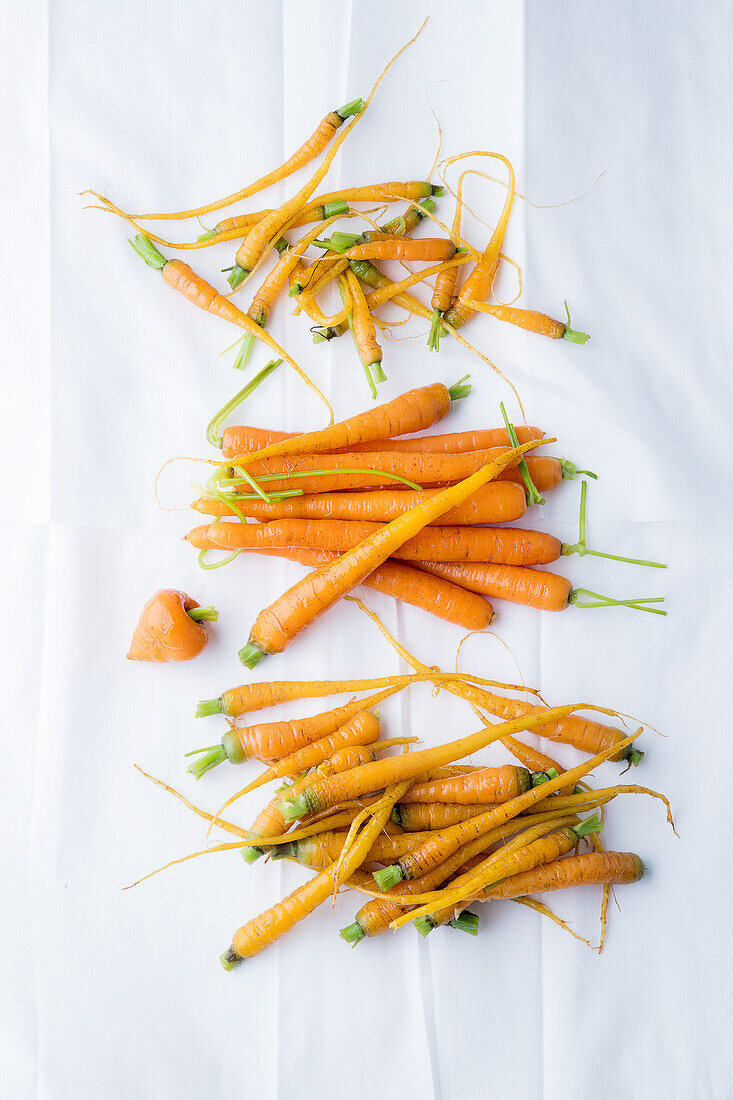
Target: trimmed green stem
(252, 854)
(212, 756)
(145, 248)
(637, 604)
(570, 470)
(286, 475)
(590, 825)
(285, 851)
(251, 654)
(424, 924)
(538, 778)
(353, 933)
(460, 389)
(533, 496)
(436, 331)
(354, 107)
(387, 877)
(212, 431)
(332, 209)
(230, 959)
(465, 922)
(206, 707)
(294, 808)
(203, 614)
(338, 241)
(581, 548)
(571, 334)
(236, 276)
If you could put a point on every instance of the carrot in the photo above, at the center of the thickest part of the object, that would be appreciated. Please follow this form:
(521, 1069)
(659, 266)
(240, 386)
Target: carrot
(250, 697)
(259, 933)
(497, 502)
(239, 440)
(478, 284)
(440, 598)
(532, 587)
(321, 850)
(511, 545)
(422, 249)
(171, 628)
(364, 333)
(489, 785)
(270, 741)
(421, 816)
(413, 411)
(272, 226)
(330, 791)
(531, 849)
(533, 321)
(588, 869)
(366, 470)
(312, 147)
(277, 625)
(444, 289)
(179, 275)
(388, 291)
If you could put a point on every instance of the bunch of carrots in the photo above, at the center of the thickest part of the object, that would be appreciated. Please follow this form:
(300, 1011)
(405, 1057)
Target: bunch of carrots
(422, 836)
(347, 260)
(423, 519)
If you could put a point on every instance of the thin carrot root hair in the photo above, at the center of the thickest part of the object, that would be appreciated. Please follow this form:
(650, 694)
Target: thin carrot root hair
(462, 340)
(110, 208)
(542, 205)
(520, 285)
(226, 825)
(545, 911)
(438, 151)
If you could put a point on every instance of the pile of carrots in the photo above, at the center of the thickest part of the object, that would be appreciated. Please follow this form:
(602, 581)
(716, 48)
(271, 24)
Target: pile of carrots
(349, 261)
(435, 539)
(422, 836)
(429, 519)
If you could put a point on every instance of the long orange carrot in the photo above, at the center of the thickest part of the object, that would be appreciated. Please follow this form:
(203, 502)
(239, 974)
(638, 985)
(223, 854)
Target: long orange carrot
(242, 439)
(489, 785)
(277, 625)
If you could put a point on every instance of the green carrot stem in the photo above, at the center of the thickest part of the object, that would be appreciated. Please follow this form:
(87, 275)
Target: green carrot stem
(570, 470)
(212, 431)
(538, 778)
(387, 877)
(207, 235)
(245, 350)
(331, 209)
(353, 933)
(635, 757)
(251, 855)
(590, 825)
(203, 614)
(571, 334)
(251, 654)
(637, 604)
(465, 922)
(460, 389)
(436, 331)
(284, 851)
(581, 548)
(212, 756)
(286, 475)
(216, 564)
(351, 108)
(230, 959)
(236, 276)
(378, 372)
(533, 496)
(338, 241)
(436, 190)
(145, 248)
(424, 924)
(207, 707)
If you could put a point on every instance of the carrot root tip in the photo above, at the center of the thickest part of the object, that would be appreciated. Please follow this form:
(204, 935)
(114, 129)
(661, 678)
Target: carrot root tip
(424, 925)
(206, 707)
(353, 933)
(250, 655)
(466, 922)
(230, 959)
(387, 877)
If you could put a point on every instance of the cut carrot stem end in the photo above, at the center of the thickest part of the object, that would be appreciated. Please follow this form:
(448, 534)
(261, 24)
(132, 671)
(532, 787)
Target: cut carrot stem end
(634, 757)
(284, 851)
(206, 707)
(590, 825)
(212, 431)
(332, 209)
(203, 614)
(251, 855)
(211, 757)
(245, 350)
(538, 778)
(460, 389)
(251, 654)
(236, 276)
(438, 192)
(436, 331)
(533, 496)
(424, 925)
(338, 241)
(352, 108)
(571, 334)
(145, 248)
(293, 808)
(387, 877)
(570, 470)
(207, 235)
(230, 959)
(466, 922)
(353, 933)
(581, 548)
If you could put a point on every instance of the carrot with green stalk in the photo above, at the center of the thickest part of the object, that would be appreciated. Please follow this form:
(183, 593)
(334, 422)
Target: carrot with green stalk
(277, 625)
(180, 277)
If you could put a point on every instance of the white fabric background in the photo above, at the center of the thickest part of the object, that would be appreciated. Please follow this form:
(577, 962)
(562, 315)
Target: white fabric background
(106, 373)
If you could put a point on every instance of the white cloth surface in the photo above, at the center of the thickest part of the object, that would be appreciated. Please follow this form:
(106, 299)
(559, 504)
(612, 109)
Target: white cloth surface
(106, 374)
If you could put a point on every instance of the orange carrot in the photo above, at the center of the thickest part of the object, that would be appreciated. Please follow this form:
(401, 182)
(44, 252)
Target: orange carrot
(423, 249)
(533, 321)
(277, 625)
(365, 337)
(171, 628)
(321, 850)
(420, 816)
(440, 598)
(241, 440)
(180, 277)
(489, 785)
